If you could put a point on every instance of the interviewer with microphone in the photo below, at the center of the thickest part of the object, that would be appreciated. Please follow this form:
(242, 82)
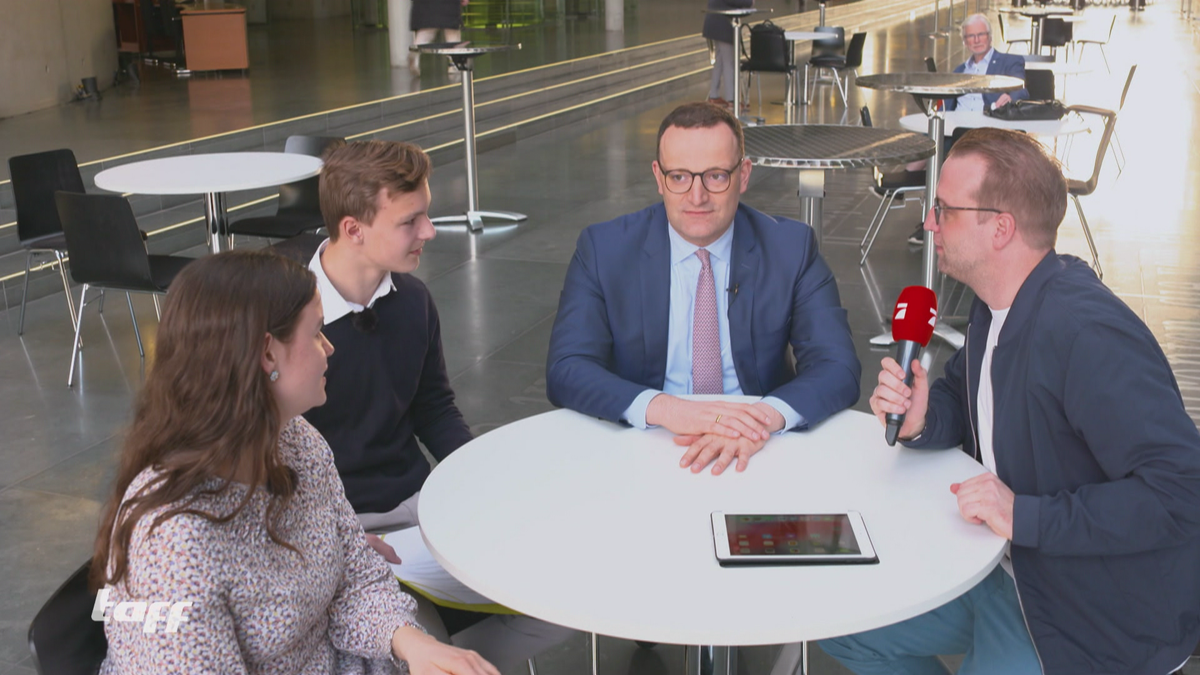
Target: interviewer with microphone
(1090, 463)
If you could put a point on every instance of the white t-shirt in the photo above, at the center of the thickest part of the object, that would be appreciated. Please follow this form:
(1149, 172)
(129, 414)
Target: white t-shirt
(986, 405)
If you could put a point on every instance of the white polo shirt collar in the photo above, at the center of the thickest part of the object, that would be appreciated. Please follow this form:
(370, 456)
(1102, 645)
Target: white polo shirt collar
(332, 302)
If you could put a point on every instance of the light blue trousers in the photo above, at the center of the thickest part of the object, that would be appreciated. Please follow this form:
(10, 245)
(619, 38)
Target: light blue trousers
(985, 624)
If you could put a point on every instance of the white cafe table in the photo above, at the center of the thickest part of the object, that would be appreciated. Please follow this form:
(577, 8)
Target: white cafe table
(1070, 123)
(594, 526)
(211, 174)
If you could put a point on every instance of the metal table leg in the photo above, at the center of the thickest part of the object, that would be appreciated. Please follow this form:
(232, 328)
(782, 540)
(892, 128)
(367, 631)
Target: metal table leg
(474, 216)
(937, 14)
(1035, 35)
(812, 193)
(710, 660)
(214, 220)
(933, 170)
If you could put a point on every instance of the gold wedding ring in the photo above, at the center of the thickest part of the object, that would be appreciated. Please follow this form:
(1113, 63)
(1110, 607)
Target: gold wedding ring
(718, 420)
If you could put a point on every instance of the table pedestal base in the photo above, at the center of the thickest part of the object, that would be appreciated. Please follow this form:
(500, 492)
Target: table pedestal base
(474, 219)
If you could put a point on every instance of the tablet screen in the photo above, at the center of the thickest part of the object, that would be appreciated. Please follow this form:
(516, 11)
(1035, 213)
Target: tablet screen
(791, 535)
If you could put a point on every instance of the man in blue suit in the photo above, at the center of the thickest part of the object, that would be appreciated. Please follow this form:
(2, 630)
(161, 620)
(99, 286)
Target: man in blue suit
(701, 294)
(985, 60)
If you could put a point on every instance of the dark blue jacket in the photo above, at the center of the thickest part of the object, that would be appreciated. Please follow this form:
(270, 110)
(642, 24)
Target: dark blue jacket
(1091, 434)
(609, 342)
(1001, 64)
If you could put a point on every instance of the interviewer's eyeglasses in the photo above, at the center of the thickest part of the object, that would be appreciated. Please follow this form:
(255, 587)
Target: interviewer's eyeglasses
(716, 181)
(939, 207)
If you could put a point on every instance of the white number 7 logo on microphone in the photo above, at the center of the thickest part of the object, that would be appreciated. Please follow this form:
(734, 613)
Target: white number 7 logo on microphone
(901, 310)
(932, 316)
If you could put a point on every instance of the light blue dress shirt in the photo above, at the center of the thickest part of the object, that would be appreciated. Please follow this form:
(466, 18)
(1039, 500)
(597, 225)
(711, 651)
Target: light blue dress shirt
(685, 274)
(975, 101)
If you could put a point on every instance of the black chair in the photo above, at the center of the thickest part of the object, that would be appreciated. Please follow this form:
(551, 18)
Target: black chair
(824, 50)
(300, 248)
(1078, 188)
(1056, 33)
(770, 52)
(888, 187)
(299, 203)
(162, 21)
(107, 251)
(837, 63)
(35, 179)
(63, 638)
(1039, 83)
(930, 64)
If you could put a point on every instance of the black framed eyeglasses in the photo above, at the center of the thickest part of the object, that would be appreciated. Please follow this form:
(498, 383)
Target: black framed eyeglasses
(680, 181)
(938, 207)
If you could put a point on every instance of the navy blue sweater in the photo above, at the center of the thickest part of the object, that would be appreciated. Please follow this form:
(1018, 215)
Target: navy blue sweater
(1091, 434)
(385, 389)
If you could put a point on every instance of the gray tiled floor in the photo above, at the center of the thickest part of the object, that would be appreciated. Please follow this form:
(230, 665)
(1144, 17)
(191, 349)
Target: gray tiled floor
(497, 292)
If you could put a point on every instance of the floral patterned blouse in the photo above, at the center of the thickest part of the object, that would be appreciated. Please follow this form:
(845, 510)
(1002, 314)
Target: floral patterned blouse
(257, 606)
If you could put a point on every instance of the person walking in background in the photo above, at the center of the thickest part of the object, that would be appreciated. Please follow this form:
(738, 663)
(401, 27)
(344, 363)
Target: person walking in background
(430, 16)
(719, 29)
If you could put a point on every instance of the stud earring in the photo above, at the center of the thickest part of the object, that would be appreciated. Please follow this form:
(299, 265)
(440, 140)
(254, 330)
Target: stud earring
(274, 375)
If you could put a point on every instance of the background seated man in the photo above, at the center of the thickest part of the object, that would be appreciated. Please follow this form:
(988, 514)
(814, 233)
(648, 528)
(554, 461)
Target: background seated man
(387, 384)
(702, 295)
(984, 60)
(1093, 464)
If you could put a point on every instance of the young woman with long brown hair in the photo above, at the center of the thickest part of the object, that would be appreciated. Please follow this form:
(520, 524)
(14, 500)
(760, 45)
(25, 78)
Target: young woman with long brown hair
(228, 499)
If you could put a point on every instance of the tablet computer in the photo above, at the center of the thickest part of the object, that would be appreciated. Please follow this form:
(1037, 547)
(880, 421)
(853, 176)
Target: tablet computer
(791, 539)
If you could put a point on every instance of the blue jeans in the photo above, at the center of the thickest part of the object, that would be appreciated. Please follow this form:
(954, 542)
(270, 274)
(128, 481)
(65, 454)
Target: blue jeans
(985, 623)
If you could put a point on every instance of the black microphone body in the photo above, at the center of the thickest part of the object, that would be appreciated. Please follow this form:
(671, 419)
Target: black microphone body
(906, 352)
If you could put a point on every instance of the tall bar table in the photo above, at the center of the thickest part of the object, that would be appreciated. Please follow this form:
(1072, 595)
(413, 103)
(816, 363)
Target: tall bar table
(816, 148)
(212, 175)
(1036, 14)
(932, 87)
(463, 54)
(736, 16)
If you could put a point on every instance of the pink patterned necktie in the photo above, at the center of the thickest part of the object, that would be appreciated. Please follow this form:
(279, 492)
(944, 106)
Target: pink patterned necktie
(706, 336)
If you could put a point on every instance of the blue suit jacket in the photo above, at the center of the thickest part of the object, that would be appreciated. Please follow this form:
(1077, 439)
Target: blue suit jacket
(609, 342)
(1002, 64)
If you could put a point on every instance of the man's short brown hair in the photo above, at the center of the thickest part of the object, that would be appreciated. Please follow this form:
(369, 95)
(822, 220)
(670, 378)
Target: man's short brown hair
(702, 115)
(1022, 178)
(355, 173)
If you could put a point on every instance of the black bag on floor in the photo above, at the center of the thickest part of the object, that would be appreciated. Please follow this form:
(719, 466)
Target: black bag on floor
(769, 48)
(1028, 110)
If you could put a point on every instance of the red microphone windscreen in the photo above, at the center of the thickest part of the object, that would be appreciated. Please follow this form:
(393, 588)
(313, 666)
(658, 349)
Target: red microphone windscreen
(915, 315)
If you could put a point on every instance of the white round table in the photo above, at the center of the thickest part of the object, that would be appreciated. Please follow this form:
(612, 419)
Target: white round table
(212, 175)
(974, 119)
(594, 526)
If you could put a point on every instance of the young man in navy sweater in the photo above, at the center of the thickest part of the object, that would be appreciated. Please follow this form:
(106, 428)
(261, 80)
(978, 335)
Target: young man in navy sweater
(1093, 464)
(386, 384)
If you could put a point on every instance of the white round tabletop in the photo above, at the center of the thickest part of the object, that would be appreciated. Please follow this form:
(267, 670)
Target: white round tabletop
(973, 119)
(798, 35)
(594, 526)
(208, 173)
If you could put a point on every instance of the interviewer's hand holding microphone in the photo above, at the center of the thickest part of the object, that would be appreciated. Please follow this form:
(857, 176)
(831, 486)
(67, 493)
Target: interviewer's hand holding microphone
(901, 400)
(902, 397)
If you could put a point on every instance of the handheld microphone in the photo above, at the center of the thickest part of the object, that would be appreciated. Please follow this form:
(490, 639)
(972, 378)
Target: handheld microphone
(912, 327)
